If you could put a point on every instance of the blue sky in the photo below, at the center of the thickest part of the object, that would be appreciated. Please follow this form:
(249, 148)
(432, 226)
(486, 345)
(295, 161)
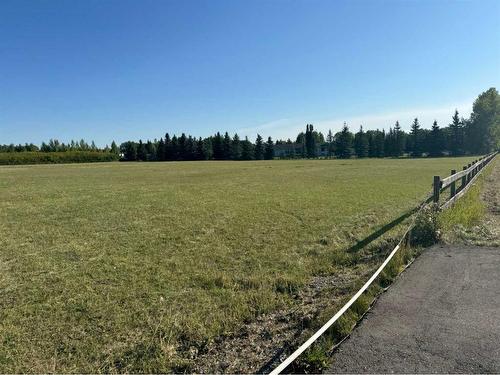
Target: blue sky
(122, 70)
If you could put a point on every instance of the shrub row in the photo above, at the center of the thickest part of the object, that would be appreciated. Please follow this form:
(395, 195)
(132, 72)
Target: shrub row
(16, 158)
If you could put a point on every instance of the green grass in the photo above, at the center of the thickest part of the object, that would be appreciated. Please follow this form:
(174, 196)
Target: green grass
(123, 267)
(462, 221)
(468, 210)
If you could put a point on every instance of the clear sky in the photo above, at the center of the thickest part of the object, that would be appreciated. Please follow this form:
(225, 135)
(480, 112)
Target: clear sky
(123, 70)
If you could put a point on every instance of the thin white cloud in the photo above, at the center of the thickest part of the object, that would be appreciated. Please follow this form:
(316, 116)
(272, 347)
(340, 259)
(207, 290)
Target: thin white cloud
(289, 128)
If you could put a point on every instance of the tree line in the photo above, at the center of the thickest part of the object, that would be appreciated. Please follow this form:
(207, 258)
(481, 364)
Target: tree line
(54, 145)
(478, 134)
(216, 147)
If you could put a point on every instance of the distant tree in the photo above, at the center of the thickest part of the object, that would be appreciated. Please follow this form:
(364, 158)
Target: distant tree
(259, 148)
(389, 143)
(236, 148)
(361, 143)
(435, 141)
(208, 148)
(269, 149)
(217, 147)
(415, 139)
(343, 144)
(191, 148)
(376, 143)
(129, 150)
(399, 140)
(114, 148)
(150, 151)
(456, 136)
(160, 150)
(181, 147)
(483, 129)
(175, 148)
(310, 142)
(168, 154)
(44, 147)
(226, 147)
(246, 150)
(141, 151)
(330, 141)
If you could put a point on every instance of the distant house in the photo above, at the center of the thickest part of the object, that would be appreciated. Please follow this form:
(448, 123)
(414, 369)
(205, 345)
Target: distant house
(297, 150)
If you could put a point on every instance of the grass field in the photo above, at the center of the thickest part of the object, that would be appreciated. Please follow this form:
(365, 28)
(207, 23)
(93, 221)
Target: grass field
(120, 267)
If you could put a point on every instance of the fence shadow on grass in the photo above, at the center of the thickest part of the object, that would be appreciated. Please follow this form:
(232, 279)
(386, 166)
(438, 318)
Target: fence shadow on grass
(372, 237)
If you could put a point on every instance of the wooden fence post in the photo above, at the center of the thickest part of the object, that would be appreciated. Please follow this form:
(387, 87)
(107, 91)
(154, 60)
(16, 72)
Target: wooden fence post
(437, 188)
(464, 179)
(468, 174)
(452, 186)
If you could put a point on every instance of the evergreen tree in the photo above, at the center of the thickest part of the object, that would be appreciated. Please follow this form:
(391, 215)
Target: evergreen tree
(169, 154)
(141, 151)
(379, 143)
(175, 148)
(246, 150)
(329, 140)
(269, 149)
(114, 147)
(181, 147)
(343, 146)
(160, 150)
(190, 148)
(200, 152)
(226, 147)
(435, 143)
(259, 148)
(236, 148)
(399, 140)
(150, 151)
(310, 142)
(415, 139)
(456, 136)
(389, 143)
(129, 151)
(361, 144)
(217, 147)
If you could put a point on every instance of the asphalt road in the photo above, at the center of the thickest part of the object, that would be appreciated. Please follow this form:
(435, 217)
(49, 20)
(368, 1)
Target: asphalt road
(442, 315)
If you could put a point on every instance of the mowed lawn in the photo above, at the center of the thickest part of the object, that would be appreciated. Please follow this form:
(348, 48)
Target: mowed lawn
(120, 267)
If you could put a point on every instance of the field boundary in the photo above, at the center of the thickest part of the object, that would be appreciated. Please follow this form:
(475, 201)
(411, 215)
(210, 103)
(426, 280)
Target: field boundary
(468, 175)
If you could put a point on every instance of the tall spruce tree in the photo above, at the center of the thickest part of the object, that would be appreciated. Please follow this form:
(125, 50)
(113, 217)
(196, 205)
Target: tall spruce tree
(226, 147)
(361, 143)
(456, 136)
(269, 149)
(416, 139)
(246, 150)
(236, 148)
(435, 143)
(399, 140)
(114, 147)
(259, 148)
(169, 154)
(389, 143)
(141, 151)
(310, 142)
(217, 147)
(330, 141)
(343, 144)
(379, 143)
